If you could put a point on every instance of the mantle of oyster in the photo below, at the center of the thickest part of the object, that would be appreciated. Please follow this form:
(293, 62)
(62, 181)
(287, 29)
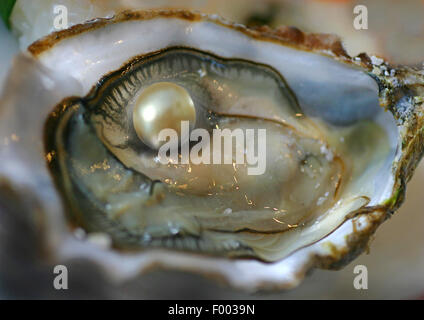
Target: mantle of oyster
(337, 159)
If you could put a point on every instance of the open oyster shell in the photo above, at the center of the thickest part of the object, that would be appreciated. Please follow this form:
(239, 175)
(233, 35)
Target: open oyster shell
(334, 90)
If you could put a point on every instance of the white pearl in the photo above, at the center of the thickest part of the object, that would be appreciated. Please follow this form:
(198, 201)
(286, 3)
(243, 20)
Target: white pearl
(162, 105)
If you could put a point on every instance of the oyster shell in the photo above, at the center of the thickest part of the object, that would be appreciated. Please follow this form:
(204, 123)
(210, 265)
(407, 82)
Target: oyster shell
(360, 111)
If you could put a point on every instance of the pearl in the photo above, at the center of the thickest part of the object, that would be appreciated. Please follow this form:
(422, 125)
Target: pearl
(162, 105)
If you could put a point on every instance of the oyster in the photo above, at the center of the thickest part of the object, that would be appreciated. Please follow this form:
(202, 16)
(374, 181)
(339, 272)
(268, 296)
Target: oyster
(343, 135)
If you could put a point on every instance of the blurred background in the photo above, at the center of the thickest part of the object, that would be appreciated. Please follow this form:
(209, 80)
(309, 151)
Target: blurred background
(395, 260)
